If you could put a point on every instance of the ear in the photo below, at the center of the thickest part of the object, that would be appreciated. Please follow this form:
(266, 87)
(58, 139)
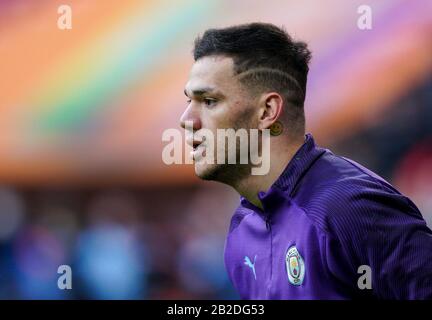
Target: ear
(270, 109)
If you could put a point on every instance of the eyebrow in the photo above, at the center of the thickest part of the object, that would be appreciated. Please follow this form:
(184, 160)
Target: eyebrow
(202, 91)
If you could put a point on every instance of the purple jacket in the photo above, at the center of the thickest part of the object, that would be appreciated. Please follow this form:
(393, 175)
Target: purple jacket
(330, 229)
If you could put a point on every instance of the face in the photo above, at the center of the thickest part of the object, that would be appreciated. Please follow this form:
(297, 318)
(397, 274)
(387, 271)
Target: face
(216, 100)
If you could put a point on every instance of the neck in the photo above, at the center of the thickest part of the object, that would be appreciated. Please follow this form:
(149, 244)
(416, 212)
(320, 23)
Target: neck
(280, 155)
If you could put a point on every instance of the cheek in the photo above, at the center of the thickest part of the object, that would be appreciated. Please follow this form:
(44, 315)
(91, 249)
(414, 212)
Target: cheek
(229, 115)
(243, 115)
(220, 117)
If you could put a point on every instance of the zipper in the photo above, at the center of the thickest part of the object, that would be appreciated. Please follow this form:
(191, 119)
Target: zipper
(267, 222)
(268, 227)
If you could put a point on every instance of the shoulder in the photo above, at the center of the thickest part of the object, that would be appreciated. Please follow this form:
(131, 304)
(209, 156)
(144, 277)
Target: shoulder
(239, 214)
(340, 195)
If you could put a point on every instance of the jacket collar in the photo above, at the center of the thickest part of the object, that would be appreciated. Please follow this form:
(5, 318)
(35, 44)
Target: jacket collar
(287, 181)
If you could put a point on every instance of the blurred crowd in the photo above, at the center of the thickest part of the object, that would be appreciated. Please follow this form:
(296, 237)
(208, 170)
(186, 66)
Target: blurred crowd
(120, 244)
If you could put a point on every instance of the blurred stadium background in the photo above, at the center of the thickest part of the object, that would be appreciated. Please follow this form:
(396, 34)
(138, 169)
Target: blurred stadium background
(83, 111)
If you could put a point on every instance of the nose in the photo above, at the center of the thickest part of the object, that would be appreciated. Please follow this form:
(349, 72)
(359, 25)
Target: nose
(191, 115)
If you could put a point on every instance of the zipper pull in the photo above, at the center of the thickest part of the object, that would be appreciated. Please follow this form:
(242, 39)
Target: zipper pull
(267, 221)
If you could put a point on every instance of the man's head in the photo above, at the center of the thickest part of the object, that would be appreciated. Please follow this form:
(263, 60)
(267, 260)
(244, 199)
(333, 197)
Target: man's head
(247, 76)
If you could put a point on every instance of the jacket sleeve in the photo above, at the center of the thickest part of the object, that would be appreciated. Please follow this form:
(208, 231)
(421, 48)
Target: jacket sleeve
(384, 231)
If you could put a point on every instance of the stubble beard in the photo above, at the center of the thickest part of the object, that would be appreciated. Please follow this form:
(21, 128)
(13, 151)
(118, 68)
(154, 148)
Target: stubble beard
(227, 173)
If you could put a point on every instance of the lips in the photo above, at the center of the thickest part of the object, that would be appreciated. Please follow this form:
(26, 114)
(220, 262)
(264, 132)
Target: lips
(194, 141)
(196, 144)
(198, 152)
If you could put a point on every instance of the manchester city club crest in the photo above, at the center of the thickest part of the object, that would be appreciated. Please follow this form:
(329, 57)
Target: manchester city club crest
(295, 266)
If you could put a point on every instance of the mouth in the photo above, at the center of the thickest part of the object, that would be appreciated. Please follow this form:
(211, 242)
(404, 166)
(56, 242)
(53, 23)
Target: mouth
(198, 151)
(195, 145)
(193, 142)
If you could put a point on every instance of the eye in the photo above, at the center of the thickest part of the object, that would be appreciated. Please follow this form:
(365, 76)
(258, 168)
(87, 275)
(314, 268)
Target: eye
(209, 102)
(188, 101)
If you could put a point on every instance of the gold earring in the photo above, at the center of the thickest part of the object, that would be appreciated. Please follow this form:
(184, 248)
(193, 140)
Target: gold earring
(276, 128)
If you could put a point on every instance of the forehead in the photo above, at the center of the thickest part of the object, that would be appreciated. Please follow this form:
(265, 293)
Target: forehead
(212, 71)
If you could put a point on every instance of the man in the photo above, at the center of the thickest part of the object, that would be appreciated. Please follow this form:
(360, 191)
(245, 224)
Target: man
(316, 226)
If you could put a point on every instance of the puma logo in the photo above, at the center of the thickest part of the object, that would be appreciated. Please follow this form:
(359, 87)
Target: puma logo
(251, 265)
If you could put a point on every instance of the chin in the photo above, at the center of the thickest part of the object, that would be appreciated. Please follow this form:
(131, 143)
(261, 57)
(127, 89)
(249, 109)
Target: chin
(227, 174)
(206, 171)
